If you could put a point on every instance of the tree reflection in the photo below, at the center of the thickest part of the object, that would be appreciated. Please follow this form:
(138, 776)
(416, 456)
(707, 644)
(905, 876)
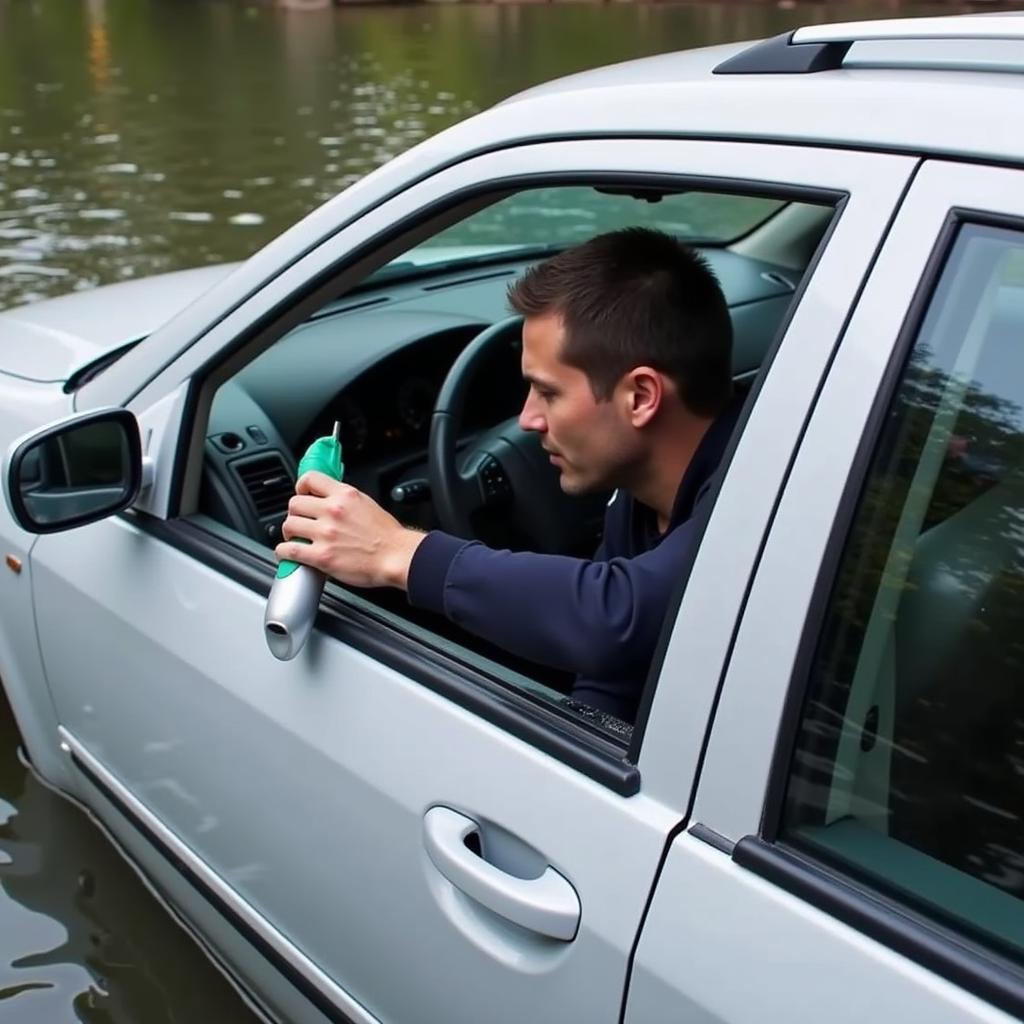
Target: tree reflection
(956, 632)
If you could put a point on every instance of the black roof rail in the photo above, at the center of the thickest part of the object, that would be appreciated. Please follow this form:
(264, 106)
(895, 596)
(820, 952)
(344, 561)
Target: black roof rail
(823, 47)
(781, 56)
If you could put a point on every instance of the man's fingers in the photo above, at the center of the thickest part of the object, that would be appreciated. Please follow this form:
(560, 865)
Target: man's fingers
(287, 552)
(319, 484)
(305, 505)
(298, 526)
(295, 552)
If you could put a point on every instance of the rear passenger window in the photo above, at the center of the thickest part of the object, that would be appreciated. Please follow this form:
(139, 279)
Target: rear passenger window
(909, 766)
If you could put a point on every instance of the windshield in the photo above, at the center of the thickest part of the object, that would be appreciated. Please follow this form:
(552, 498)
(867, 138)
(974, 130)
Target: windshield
(534, 222)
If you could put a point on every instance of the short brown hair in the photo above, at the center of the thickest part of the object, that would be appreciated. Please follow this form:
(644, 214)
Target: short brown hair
(637, 297)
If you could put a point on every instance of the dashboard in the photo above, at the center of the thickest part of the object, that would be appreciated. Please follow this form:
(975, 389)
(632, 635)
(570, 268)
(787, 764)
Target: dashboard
(385, 413)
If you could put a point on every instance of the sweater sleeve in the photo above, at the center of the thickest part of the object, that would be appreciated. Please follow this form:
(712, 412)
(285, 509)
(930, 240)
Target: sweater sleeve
(596, 618)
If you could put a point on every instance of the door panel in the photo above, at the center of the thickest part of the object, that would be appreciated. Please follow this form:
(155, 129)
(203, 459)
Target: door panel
(732, 793)
(722, 946)
(798, 961)
(305, 786)
(310, 787)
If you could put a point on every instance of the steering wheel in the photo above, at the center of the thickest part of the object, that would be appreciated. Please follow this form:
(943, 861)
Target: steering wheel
(506, 467)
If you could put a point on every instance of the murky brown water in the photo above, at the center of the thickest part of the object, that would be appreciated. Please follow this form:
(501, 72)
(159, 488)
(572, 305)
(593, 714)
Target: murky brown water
(138, 136)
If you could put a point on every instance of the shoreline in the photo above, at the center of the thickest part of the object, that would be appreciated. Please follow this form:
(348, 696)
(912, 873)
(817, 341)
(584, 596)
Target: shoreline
(894, 8)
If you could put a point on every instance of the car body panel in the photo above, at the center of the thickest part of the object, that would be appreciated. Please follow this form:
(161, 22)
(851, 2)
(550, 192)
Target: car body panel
(190, 702)
(222, 937)
(303, 785)
(283, 805)
(50, 340)
(24, 407)
(133, 820)
(705, 900)
(721, 944)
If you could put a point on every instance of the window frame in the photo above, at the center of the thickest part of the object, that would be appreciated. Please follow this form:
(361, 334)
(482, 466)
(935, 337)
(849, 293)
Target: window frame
(837, 890)
(570, 738)
(565, 738)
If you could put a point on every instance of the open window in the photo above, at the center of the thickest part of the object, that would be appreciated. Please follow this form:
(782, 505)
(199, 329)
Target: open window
(376, 357)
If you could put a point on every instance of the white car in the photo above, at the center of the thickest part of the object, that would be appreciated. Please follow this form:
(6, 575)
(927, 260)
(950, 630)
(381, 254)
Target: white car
(818, 813)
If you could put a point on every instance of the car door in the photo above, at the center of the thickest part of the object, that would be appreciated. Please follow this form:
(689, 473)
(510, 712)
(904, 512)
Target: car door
(856, 840)
(325, 802)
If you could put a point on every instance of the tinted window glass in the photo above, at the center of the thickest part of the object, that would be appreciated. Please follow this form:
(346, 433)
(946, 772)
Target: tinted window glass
(909, 767)
(569, 215)
(537, 220)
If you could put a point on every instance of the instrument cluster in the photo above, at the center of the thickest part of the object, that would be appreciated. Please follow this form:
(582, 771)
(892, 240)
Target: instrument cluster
(386, 411)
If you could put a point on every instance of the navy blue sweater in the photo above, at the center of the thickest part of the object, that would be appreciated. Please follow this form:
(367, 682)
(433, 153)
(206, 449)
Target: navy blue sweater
(599, 618)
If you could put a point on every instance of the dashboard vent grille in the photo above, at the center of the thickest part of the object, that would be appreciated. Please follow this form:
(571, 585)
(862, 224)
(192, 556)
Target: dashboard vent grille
(267, 481)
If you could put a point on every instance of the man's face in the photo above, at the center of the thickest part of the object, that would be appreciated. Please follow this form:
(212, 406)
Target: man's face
(592, 443)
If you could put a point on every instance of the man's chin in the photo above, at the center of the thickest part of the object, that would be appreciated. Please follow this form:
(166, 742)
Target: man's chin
(574, 486)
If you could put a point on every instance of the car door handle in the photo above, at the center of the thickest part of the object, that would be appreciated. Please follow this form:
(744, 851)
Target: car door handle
(547, 905)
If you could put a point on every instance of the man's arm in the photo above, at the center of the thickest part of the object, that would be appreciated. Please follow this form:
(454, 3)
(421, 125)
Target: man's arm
(599, 619)
(595, 618)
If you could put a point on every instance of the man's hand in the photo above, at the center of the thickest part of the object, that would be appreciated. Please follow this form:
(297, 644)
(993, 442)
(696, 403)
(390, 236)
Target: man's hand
(352, 538)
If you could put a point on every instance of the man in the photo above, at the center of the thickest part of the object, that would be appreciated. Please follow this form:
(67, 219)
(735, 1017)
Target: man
(627, 348)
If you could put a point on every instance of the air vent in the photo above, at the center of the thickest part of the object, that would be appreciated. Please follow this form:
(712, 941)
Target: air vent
(267, 481)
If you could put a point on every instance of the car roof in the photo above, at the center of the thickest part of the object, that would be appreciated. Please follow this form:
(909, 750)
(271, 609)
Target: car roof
(884, 95)
(677, 95)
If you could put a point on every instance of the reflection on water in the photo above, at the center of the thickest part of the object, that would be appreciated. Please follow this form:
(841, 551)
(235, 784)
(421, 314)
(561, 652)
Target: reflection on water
(915, 723)
(139, 136)
(80, 937)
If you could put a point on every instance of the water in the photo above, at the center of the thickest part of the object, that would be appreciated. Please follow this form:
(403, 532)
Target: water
(139, 136)
(80, 937)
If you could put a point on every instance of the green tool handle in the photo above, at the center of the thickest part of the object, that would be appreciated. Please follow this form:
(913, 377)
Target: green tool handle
(323, 455)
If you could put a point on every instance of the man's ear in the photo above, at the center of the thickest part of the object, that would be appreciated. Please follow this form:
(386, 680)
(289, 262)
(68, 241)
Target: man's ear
(644, 392)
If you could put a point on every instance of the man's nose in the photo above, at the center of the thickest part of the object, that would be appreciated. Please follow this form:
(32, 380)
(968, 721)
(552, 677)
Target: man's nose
(531, 417)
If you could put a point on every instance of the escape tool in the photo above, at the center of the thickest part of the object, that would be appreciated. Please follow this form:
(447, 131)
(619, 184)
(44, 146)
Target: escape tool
(295, 592)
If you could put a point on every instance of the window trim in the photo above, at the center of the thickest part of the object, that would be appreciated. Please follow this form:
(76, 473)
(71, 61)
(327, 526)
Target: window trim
(704, 516)
(970, 963)
(466, 686)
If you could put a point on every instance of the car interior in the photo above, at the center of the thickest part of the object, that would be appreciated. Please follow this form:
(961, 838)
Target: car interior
(420, 366)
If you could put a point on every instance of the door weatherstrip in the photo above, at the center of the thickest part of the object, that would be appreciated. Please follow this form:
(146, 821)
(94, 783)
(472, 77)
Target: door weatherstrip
(314, 984)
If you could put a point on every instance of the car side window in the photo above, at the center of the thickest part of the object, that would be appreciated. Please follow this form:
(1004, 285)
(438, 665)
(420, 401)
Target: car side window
(376, 358)
(908, 771)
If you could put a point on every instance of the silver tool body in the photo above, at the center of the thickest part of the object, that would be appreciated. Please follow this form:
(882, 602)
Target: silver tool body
(292, 605)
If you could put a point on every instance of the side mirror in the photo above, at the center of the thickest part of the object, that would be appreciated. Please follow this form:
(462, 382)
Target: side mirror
(74, 472)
